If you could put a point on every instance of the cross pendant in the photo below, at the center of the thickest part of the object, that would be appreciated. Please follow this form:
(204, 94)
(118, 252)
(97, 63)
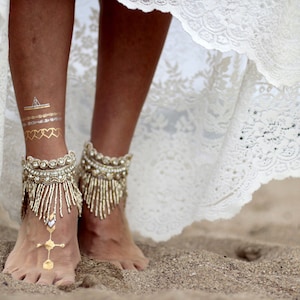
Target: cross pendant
(50, 245)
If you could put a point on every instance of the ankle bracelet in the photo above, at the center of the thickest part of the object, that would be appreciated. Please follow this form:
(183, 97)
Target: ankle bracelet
(102, 180)
(45, 182)
(46, 186)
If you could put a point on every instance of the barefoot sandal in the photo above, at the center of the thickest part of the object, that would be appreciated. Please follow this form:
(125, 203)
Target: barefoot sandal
(102, 180)
(47, 185)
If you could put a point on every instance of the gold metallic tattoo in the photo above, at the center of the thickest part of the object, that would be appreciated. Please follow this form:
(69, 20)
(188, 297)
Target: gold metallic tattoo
(54, 114)
(41, 121)
(36, 105)
(42, 133)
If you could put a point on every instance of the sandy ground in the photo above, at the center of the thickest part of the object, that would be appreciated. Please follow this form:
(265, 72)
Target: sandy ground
(255, 255)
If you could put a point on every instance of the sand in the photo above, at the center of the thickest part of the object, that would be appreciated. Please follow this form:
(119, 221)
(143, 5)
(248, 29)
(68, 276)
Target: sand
(255, 255)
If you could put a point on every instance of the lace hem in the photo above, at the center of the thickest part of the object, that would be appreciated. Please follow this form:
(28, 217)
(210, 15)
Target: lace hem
(266, 31)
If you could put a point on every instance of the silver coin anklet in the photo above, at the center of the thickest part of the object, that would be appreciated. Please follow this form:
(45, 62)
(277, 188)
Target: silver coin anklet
(48, 186)
(102, 180)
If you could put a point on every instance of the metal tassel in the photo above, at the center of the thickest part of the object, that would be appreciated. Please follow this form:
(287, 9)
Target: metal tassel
(102, 180)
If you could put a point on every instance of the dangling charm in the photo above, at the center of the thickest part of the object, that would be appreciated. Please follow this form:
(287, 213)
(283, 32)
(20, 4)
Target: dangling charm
(47, 185)
(102, 180)
(49, 245)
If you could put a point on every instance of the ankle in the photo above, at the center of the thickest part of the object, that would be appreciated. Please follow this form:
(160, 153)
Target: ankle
(44, 150)
(103, 181)
(47, 183)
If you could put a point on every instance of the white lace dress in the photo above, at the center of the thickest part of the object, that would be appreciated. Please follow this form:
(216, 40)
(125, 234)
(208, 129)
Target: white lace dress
(213, 128)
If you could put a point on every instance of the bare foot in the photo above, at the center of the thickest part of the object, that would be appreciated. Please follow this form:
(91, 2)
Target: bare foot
(25, 262)
(110, 240)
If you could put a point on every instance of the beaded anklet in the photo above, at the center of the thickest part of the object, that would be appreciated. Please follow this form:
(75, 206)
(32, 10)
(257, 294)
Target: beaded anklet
(102, 180)
(47, 185)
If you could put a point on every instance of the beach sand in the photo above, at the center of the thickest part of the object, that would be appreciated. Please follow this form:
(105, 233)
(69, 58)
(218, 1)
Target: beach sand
(255, 255)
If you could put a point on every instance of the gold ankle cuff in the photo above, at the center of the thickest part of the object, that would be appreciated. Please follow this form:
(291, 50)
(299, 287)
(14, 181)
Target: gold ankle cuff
(102, 180)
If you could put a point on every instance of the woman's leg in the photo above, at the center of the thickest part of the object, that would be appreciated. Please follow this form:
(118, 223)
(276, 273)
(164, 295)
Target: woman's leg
(130, 44)
(40, 36)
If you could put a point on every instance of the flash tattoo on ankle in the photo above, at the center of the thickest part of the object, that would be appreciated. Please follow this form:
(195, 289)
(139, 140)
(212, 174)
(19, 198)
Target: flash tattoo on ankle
(54, 114)
(36, 105)
(42, 121)
(42, 133)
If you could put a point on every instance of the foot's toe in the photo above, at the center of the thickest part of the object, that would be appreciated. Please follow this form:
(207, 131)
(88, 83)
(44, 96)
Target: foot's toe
(141, 264)
(32, 276)
(18, 274)
(8, 270)
(115, 263)
(127, 265)
(46, 278)
(65, 279)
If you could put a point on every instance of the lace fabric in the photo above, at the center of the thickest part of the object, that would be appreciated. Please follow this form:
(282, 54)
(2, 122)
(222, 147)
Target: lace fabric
(213, 128)
(267, 31)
